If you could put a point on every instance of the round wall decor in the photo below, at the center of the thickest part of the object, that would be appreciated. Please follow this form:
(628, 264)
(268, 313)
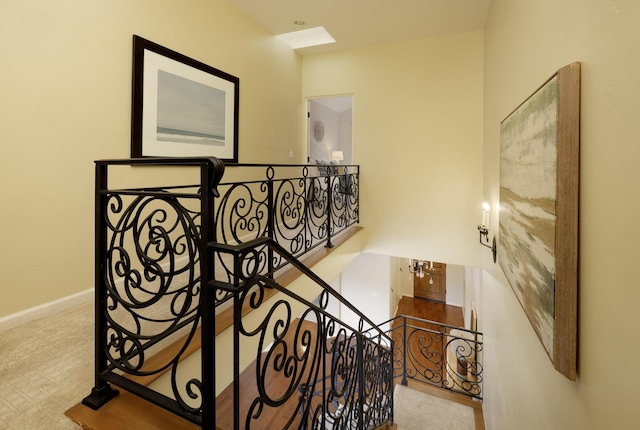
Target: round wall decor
(318, 131)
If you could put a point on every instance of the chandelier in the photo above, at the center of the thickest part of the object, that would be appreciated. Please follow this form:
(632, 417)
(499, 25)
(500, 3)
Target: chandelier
(421, 268)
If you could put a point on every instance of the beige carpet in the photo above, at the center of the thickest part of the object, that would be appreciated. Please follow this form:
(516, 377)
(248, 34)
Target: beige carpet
(415, 410)
(46, 367)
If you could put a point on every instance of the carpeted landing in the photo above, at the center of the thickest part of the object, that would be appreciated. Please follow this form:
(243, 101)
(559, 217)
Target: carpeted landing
(415, 410)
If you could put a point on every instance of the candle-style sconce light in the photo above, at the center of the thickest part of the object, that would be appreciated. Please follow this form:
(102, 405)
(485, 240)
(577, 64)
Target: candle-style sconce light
(484, 232)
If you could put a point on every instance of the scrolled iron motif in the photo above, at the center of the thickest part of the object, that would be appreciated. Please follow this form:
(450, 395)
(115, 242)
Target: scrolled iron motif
(377, 401)
(446, 356)
(152, 292)
(464, 371)
(296, 212)
(292, 351)
(242, 212)
(317, 208)
(345, 200)
(424, 355)
(290, 215)
(314, 358)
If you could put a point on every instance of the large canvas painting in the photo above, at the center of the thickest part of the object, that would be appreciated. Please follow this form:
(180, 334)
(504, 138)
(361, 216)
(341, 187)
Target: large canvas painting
(538, 229)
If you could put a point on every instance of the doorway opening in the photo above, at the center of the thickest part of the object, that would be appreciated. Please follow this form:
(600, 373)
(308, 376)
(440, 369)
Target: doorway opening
(330, 129)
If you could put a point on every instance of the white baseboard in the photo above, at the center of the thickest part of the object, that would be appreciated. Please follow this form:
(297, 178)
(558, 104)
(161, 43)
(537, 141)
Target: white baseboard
(44, 310)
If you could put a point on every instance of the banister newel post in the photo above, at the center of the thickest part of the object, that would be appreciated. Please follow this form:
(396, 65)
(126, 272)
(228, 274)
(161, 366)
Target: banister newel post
(270, 220)
(329, 209)
(102, 391)
(361, 391)
(210, 177)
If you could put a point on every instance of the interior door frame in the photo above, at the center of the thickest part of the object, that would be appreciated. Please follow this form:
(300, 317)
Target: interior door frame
(309, 125)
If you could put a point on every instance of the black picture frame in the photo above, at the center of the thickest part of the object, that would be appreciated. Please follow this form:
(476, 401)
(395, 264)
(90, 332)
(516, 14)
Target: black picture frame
(181, 107)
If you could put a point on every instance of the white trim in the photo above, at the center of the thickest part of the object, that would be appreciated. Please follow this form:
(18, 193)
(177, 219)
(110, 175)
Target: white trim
(44, 310)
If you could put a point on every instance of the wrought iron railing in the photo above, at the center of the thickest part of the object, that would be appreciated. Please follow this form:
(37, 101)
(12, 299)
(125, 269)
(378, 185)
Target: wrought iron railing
(148, 269)
(311, 371)
(437, 354)
(301, 207)
(167, 257)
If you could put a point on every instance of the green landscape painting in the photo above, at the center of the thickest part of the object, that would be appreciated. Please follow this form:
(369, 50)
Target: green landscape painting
(527, 229)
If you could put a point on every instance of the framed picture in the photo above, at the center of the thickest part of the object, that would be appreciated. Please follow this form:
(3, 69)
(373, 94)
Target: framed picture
(538, 229)
(181, 107)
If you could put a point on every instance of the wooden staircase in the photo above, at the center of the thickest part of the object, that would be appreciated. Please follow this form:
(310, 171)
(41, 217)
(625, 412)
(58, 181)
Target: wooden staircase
(128, 411)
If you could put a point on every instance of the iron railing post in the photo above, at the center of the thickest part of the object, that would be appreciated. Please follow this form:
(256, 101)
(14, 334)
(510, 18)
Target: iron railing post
(345, 195)
(207, 299)
(323, 337)
(308, 184)
(237, 317)
(404, 351)
(329, 209)
(390, 379)
(443, 357)
(102, 391)
(271, 219)
(361, 391)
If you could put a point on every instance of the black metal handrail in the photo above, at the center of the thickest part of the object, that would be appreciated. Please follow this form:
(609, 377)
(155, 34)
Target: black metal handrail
(167, 255)
(437, 354)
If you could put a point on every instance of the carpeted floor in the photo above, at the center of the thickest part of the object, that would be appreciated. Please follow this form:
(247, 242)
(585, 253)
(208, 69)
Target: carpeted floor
(46, 366)
(415, 410)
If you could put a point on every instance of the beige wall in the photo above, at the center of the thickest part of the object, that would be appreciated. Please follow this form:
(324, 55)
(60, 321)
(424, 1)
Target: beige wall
(526, 42)
(366, 284)
(66, 97)
(417, 131)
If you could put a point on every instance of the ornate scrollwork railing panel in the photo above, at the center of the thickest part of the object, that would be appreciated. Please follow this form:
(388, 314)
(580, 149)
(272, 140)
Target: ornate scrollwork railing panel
(152, 281)
(317, 210)
(290, 221)
(345, 197)
(464, 364)
(153, 261)
(352, 192)
(296, 205)
(425, 354)
(148, 278)
(437, 354)
(310, 370)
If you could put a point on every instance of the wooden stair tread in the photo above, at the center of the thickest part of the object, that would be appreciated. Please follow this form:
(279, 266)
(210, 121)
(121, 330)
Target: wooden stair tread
(126, 412)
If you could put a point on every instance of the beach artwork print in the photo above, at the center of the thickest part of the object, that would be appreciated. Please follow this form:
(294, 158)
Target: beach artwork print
(527, 228)
(182, 107)
(189, 112)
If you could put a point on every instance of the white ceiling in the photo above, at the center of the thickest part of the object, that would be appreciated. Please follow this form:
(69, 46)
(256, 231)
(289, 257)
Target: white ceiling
(359, 23)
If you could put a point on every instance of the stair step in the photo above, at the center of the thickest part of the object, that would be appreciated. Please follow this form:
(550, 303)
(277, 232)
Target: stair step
(126, 412)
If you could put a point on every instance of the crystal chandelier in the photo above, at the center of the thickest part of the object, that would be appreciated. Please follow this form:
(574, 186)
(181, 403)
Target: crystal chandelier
(421, 268)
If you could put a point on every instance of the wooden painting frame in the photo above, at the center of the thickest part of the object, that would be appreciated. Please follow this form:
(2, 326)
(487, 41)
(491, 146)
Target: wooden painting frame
(539, 212)
(181, 107)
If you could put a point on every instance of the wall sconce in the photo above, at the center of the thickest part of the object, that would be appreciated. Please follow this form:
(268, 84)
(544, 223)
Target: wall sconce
(337, 156)
(421, 268)
(484, 232)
